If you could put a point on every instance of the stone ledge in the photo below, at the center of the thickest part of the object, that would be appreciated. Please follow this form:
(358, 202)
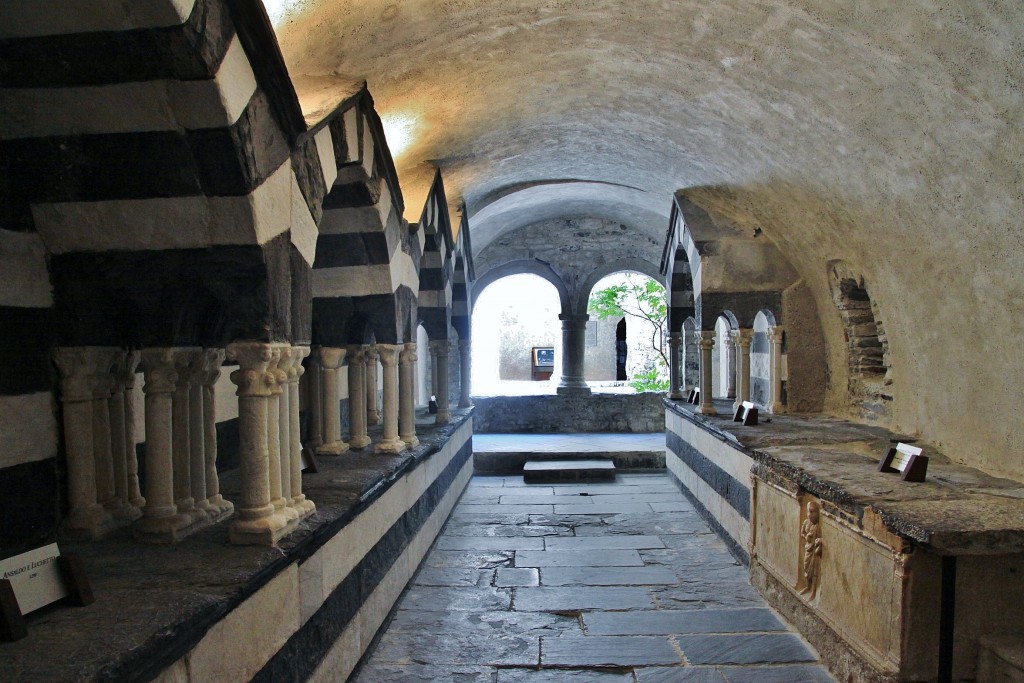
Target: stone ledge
(612, 412)
(154, 604)
(957, 510)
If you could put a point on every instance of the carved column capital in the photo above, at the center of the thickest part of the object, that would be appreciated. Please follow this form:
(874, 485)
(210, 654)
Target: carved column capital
(79, 367)
(775, 334)
(742, 338)
(252, 377)
(356, 354)
(675, 338)
(705, 339)
(105, 360)
(123, 370)
(370, 354)
(209, 366)
(465, 344)
(161, 375)
(297, 370)
(185, 363)
(439, 347)
(280, 359)
(389, 354)
(408, 354)
(331, 357)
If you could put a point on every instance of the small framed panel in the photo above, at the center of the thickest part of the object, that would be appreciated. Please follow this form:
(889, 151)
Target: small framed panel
(35, 579)
(746, 413)
(908, 460)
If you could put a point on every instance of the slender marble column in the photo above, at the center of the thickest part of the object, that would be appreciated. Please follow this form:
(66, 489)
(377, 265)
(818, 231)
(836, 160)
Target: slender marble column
(160, 522)
(465, 372)
(132, 359)
(439, 362)
(216, 505)
(390, 443)
(181, 434)
(103, 388)
(331, 359)
(574, 344)
(284, 426)
(406, 399)
(86, 518)
(301, 504)
(314, 392)
(372, 411)
(126, 510)
(256, 521)
(196, 433)
(357, 395)
(741, 340)
(274, 469)
(706, 342)
(775, 337)
(674, 341)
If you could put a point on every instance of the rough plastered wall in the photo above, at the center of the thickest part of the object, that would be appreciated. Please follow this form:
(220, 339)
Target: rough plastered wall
(884, 134)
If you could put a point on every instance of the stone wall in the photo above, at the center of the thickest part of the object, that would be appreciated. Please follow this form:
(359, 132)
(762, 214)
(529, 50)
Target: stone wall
(637, 413)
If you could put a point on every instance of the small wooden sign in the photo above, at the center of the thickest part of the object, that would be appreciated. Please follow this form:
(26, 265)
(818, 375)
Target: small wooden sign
(746, 413)
(307, 458)
(907, 460)
(35, 579)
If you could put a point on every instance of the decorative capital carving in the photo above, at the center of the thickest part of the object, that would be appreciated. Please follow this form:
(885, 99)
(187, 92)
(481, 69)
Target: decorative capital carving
(210, 361)
(775, 334)
(277, 375)
(186, 360)
(675, 339)
(408, 354)
(465, 344)
(389, 354)
(124, 368)
(439, 347)
(705, 339)
(160, 373)
(331, 357)
(356, 354)
(251, 377)
(742, 337)
(298, 370)
(370, 354)
(76, 370)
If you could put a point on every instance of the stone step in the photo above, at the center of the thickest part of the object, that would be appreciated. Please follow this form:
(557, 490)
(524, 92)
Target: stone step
(547, 471)
(512, 462)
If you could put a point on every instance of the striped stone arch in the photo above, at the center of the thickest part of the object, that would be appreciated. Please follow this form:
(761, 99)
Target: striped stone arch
(462, 281)
(367, 265)
(155, 154)
(437, 263)
(676, 269)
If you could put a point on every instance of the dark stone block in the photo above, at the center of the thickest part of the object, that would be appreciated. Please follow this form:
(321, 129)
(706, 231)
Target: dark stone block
(732, 490)
(352, 249)
(607, 651)
(30, 508)
(26, 347)
(744, 649)
(668, 622)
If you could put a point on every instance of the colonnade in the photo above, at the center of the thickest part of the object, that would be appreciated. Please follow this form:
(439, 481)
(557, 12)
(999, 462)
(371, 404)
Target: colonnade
(740, 341)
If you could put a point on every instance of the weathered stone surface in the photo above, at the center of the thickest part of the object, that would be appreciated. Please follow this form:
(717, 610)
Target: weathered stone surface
(375, 671)
(517, 577)
(689, 674)
(578, 558)
(493, 650)
(580, 598)
(744, 649)
(777, 674)
(484, 623)
(667, 622)
(636, 413)
(558, 675)
(442, 599)
(485, 543)
(606, 576)
(437, 576)
(469, 559)
(603, 543)
(607, 651)
(505, 530)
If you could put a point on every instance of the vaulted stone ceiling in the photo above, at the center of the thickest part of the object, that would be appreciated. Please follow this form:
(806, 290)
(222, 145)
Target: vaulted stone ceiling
(887, 134)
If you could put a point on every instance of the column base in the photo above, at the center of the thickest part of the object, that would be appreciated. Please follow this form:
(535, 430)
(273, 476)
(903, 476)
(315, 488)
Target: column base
(304, 506)
(442, 418)
(571, 390)
(282, 508)
(217, 508)
(395, 445)
(776, 408)
(190, 510)
(162, 529)
(466, 404)
(89, 524)
(125, 513)
(359, 442)
(706, 410)
(676, 395)
(410, 440)
(336, 448)
(263, 531)
(373, 418)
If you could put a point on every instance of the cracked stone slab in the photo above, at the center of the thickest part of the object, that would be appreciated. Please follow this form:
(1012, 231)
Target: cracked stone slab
(745, 649)
(638, 498)
(544, 500)
(668, 622)
(492, 517)
(679, 674)
(579, 558)
(461, 622)
(777, 674)
(437, 576)
(607, 576)
(600, 508)
(558, 675)
(603, 543)
(494, 650)
(441, 599)
(375, 672)
(511, 576)
(489, 543)
(657, 524)
(583, 598)
(506, 530)
(607, 651)
(469, 559)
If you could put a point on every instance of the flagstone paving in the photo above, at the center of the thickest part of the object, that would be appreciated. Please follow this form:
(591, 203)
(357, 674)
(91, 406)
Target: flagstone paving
(610, 582)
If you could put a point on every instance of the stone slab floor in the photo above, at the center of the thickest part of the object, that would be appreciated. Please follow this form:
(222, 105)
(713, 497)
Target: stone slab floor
(616, 582)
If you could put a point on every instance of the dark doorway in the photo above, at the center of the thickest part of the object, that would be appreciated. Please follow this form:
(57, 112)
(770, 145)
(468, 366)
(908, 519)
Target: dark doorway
(620, 350)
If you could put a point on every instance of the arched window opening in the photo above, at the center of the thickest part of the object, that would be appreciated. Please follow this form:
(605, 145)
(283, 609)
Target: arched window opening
(515, 325)
(423, 386)
(691, 355)
(723, 361)
(760, 362)
(629, 309)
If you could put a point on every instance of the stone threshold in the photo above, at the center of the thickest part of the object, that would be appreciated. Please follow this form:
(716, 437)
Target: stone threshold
(154, 604)
(957, 510)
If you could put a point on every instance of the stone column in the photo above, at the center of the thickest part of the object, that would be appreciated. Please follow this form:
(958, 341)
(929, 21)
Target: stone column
(256, 521)
(674, 341)
(196, 433)
(284, 427)
(86, 517)
(775, 337)
(331, 359)
(181, 437)
(465, 372)
(160, 521)
(216, 506)
(122, 450)
(299, 501)
(705, 342)
(390, 443)
(314, 392)
(131, 363)
(102, 391)
(357, 395)
(372, 413)
(406, 397)
(574, 331)
(278, 377)
(439, 365)
(741, 340)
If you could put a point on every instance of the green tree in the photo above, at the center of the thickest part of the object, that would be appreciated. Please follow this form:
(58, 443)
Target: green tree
(642, 298)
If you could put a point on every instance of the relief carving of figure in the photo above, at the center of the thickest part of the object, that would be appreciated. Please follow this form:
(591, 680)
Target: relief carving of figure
(810, 534)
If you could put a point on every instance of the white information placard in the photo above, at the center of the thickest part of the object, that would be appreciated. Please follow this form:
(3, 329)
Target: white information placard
(35, 577)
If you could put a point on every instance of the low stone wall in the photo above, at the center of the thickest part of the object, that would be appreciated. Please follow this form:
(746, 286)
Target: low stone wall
(554, 414)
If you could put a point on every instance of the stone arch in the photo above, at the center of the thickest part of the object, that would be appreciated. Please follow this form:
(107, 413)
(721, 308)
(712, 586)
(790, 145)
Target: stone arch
(723, 357)
(629, 264)
(762, 369)
(531, 266)
(690, 354)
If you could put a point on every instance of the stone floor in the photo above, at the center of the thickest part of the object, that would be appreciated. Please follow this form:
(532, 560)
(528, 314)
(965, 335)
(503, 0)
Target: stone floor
(617, 582)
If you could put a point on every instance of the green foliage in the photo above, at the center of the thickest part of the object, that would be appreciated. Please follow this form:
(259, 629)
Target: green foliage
(651, 379)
